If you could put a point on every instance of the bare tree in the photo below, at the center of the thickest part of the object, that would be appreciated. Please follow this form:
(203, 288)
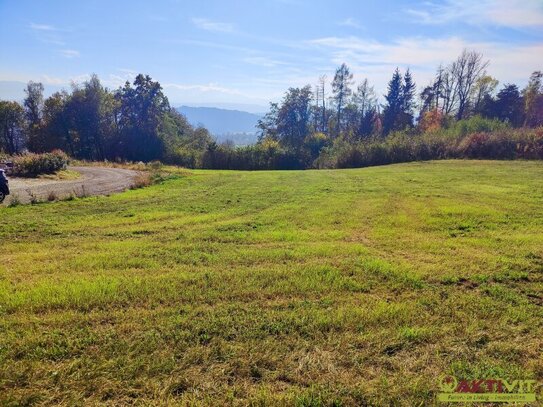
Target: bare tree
(322, 83)
(437, 87)
(365, 97)
(341, 87)
(449, 90)
(455, 86)
(316, 114)
(465, 72)
(365, 100)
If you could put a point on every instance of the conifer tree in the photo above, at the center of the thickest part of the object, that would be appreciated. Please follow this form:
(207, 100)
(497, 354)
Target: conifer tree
(394, 103)
(408, 100)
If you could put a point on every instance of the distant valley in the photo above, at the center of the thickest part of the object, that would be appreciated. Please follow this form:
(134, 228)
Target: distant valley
(224, 124)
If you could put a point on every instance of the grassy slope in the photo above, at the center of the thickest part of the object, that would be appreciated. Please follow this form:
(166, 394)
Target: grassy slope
(349, 285)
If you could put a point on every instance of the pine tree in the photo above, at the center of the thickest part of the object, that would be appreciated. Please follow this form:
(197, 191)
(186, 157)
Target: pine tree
(408, 99)
(394, 103)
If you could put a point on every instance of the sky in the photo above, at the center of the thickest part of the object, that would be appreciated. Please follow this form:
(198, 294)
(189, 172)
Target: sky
(244, 54)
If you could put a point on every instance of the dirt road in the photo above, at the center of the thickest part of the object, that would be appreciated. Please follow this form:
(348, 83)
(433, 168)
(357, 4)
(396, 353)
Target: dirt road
(93, 181)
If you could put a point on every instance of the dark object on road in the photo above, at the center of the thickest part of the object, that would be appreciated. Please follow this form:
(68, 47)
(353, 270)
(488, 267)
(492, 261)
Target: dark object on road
(7, 166)
(4, 187)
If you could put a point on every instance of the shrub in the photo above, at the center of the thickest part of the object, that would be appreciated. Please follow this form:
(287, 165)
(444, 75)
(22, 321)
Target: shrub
(487, 145)
(529, 143)
(253, 157)
(142, 179)
(155, 165)
(475, 124)
(501, 144)
(431, 121)
(511, 144)
(31, 165)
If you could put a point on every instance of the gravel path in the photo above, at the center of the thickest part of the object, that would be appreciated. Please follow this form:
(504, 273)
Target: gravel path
(93, 181)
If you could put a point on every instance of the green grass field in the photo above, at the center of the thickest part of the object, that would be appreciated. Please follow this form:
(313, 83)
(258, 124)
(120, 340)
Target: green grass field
(309, 288)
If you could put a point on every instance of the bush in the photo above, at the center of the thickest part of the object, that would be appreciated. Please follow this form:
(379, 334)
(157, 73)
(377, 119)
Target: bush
(253, 157)
(142, 180)
(184, 157)
(475, 124)
(502, 144)
(431, 121)
(31, 165)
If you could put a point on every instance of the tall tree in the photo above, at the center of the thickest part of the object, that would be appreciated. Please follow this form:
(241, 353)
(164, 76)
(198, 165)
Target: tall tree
(533, 100)
(267, 125)
(33, 104)
(366, 101)
(394, 103)
(428, 98)
(365, 97)
(288, 122)
(447, 92)
(437, 87)
(408, 99)
(483, 88)
(293, 117)
(11, 127)
(58, 124)
(90, 118)
(322, 86)
(341, 89)
(508, 105)
(465, 72)
(141, 112)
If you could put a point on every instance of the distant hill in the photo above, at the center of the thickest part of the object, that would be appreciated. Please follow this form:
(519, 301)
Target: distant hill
(235, 125)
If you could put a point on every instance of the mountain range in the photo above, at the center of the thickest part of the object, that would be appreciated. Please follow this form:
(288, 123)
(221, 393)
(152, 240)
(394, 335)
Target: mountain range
(224, 124)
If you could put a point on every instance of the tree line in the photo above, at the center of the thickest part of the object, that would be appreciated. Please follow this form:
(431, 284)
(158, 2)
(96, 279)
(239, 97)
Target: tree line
(305, 121)
(134, 123)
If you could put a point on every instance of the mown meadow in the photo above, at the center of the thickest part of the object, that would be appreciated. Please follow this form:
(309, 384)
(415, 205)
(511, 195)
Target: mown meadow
(309, 288)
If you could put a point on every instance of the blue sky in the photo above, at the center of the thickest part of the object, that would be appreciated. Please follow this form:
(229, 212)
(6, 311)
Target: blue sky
(242, 53)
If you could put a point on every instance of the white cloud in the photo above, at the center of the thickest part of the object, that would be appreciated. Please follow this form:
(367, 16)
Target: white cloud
(210, 87)
(350, 22)
(507, 13)
(116, 80)
(47, 34)
(69, 53)
(57, 81)
(128, 71)
(112, 81)
(376, 60)
(264, 61)
(42, 27)
(51, 80)
(212, 92)
(209, 25)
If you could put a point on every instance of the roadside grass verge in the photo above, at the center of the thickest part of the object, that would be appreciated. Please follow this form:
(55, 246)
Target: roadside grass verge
(62, 175)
